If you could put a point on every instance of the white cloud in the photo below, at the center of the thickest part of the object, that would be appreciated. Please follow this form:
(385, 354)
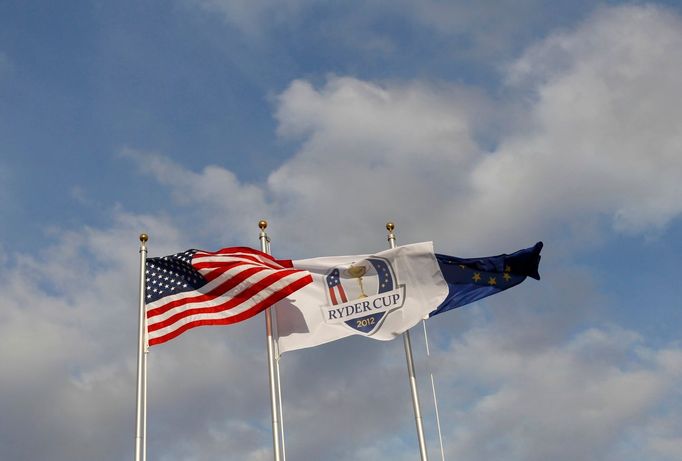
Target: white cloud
(67, 328)
(573, 400)
(662, 435)
(598, 140)
(602, 134)
(228, 208)
(375, 151)
(370, 153)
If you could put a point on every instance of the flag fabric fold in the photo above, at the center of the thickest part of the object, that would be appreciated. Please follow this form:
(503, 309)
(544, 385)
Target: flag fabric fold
(196, 288)
(385, 294)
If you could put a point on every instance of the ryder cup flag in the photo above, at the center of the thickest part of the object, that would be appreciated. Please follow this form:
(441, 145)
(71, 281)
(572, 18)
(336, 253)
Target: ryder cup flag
(195, 288)
(385, 294)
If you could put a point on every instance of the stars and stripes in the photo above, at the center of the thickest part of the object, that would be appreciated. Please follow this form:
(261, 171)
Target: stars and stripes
(336, 291)
(197, 288)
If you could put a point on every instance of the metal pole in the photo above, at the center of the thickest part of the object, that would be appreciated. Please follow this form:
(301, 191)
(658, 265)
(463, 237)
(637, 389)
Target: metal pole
(272, 371)
(275, 335)
(279, 390)
(433, 389)
(410, 371)
(141, 410)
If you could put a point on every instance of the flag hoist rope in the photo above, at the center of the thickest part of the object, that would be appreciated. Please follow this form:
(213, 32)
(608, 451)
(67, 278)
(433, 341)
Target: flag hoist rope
(410, 371)
(142, 351)
(272, 366)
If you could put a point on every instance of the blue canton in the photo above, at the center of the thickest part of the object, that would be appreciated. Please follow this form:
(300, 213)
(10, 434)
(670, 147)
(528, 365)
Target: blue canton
(171, 275)
(333, 278)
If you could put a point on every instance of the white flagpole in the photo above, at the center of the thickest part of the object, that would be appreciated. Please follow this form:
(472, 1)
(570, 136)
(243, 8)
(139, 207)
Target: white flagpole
(272, 369)
(273, 317)
(142, 351)
(433, 389)
(410, 371)
(279, 390)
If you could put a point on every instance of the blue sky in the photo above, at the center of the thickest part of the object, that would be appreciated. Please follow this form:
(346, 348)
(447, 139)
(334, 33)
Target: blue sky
(484, 128)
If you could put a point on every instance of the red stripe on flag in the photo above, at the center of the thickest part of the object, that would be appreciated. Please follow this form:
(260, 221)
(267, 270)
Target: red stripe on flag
(231, 302)
(344, 299)
(214, 274)
(257, 308)
(198, 262)
(236, 250)
(214, 293)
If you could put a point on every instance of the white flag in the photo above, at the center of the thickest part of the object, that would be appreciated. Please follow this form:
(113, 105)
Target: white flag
(379, 296)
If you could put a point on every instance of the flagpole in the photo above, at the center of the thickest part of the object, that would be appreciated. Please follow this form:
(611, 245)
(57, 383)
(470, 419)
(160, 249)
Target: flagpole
(433, 389)
(275, 335)
(279, 387)
(410, 370)
(272, 370)
(142, 351)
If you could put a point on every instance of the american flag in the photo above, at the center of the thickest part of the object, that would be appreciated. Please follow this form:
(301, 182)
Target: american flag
(196, 287)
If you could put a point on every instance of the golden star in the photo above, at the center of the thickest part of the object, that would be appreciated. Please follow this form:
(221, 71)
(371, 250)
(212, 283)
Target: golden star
(507, 268)
(492, 281)
(476, 277)
(506, 277)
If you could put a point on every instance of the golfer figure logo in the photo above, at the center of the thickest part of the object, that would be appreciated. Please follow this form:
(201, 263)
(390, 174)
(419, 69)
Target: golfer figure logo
(362, 294)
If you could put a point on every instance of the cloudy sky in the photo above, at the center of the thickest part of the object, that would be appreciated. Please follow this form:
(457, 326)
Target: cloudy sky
(484, 127)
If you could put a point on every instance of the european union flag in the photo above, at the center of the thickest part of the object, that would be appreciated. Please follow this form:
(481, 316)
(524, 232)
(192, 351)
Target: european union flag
(471, 279)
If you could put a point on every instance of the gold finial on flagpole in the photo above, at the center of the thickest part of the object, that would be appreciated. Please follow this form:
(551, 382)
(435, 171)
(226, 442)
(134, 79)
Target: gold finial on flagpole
(391, 237)
(144, 238)
(263, 224)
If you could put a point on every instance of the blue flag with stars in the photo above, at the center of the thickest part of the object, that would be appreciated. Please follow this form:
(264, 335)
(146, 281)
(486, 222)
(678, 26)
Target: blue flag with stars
(471, 279)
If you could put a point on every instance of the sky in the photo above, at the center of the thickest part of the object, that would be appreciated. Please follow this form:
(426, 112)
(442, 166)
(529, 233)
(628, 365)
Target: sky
(482, 126)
